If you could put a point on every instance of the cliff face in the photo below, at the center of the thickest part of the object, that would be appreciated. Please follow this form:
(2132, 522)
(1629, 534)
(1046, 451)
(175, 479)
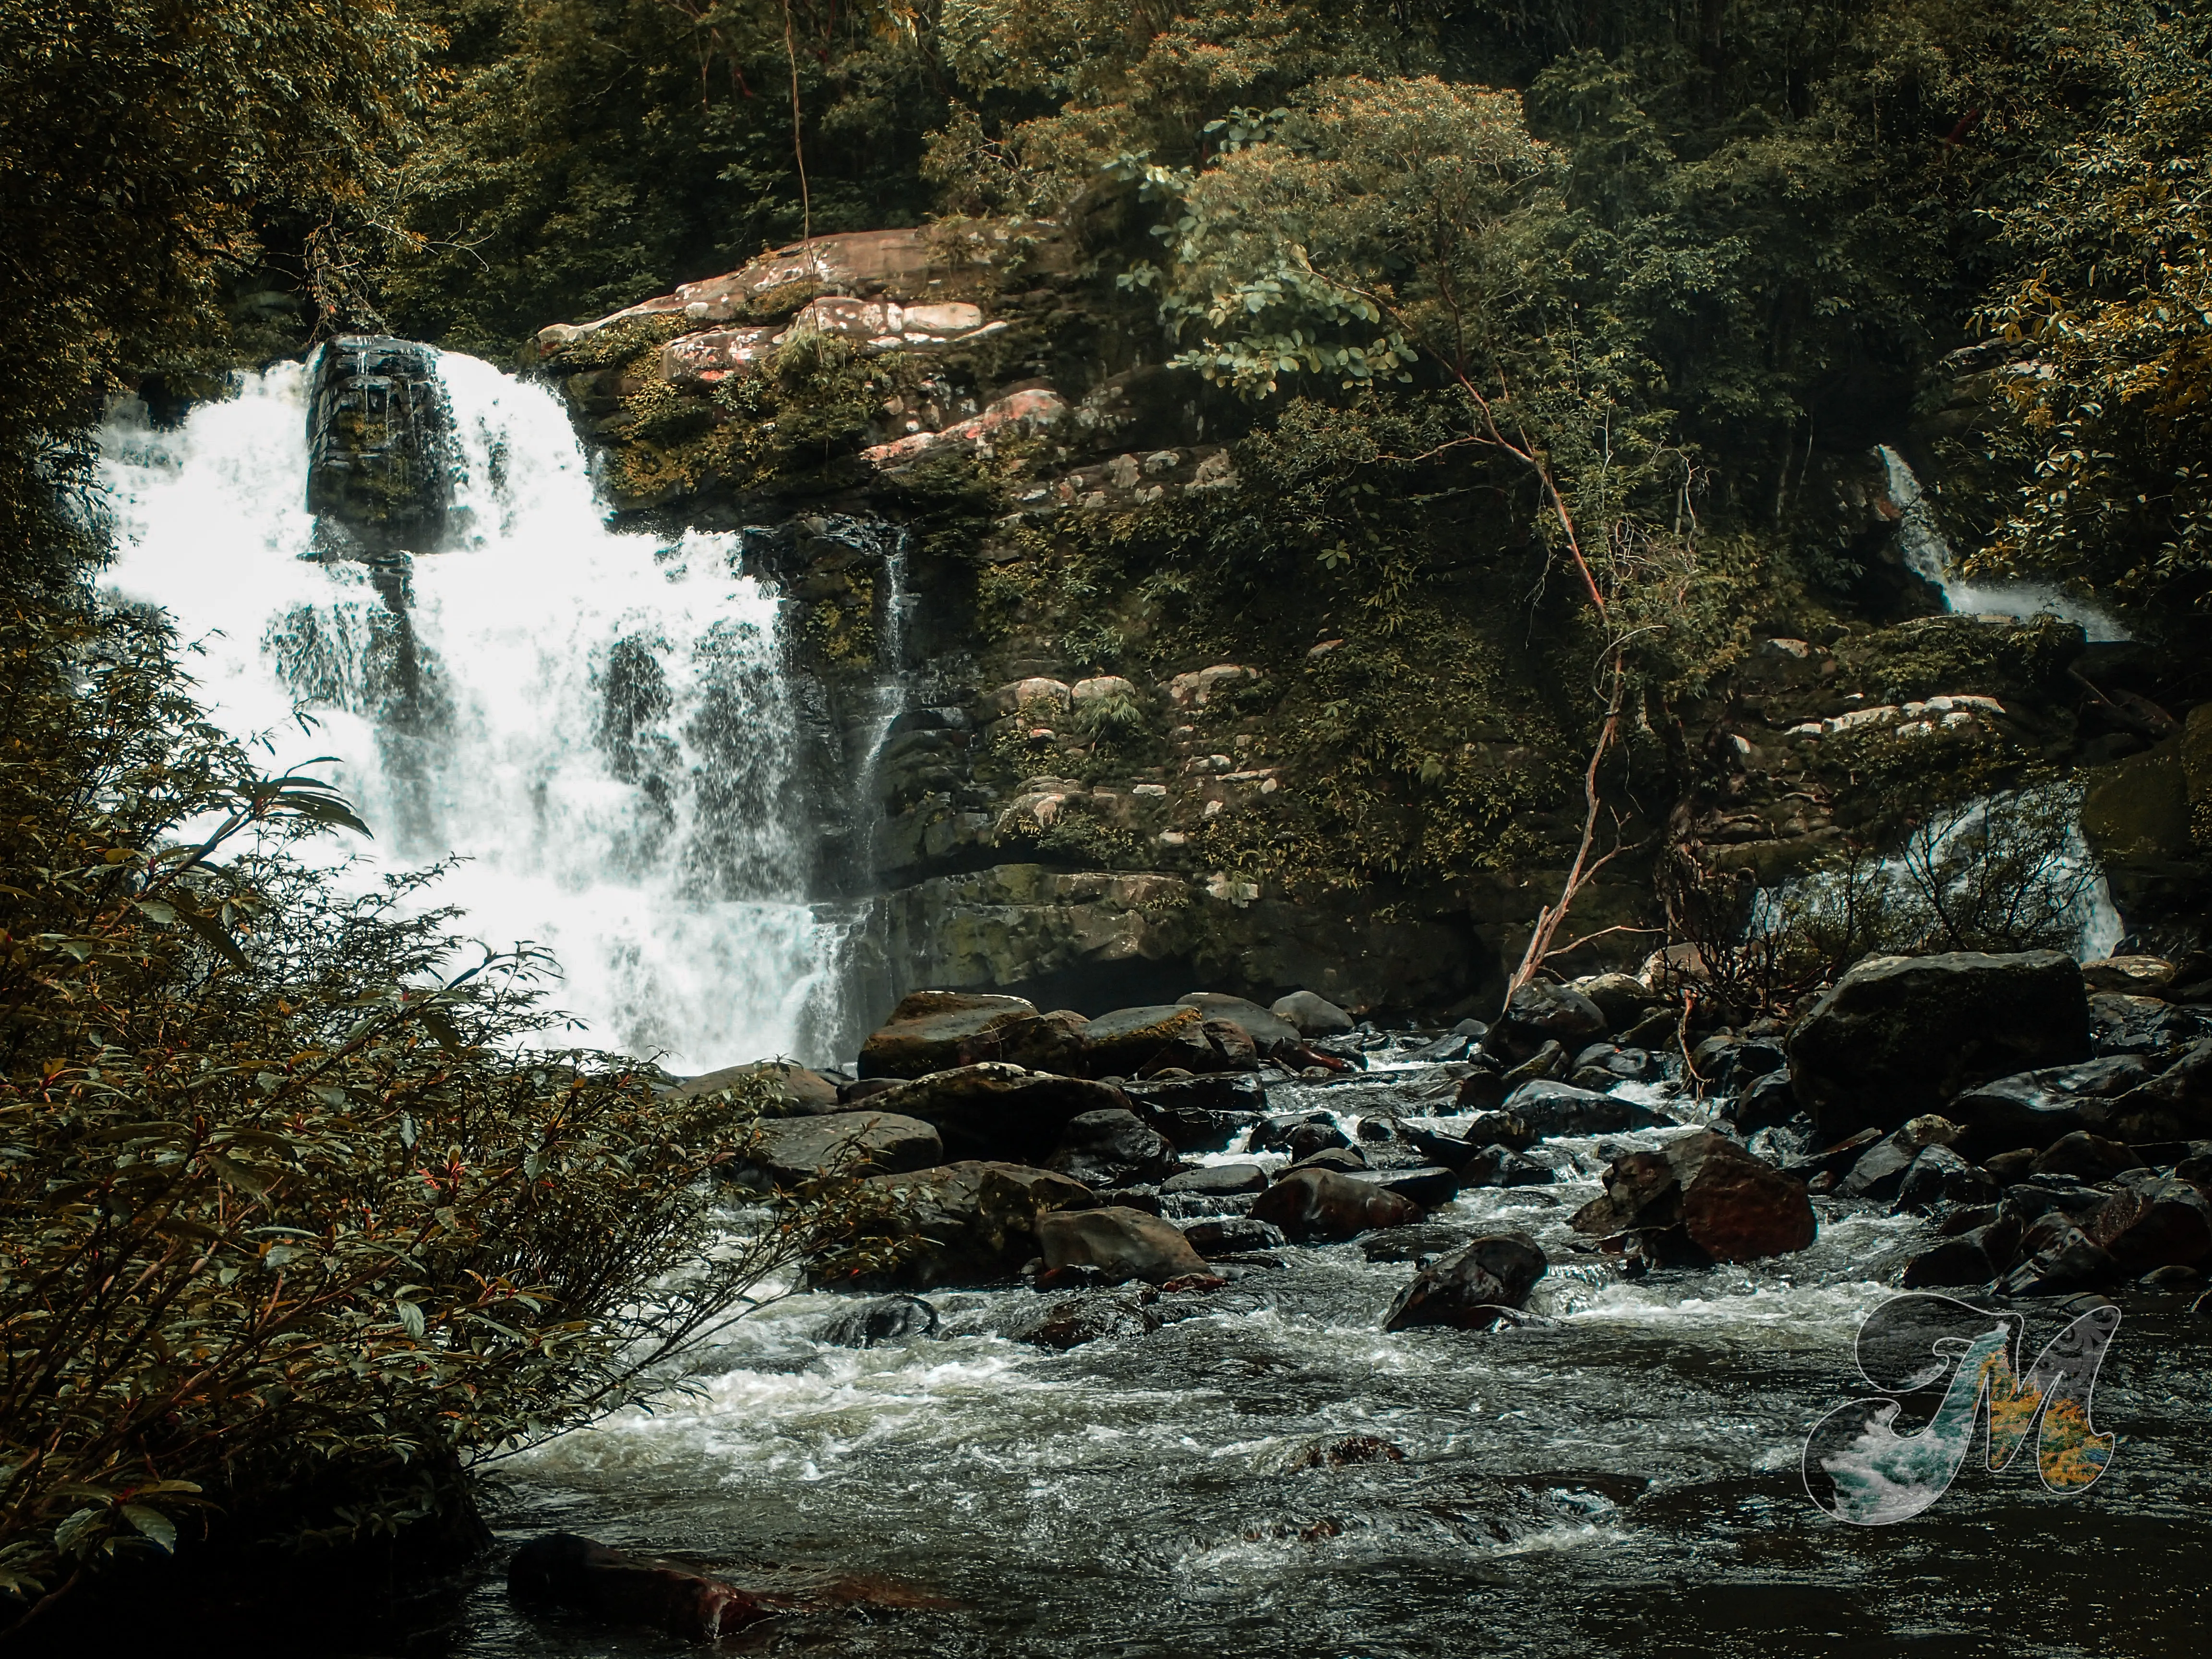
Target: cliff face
(1089, 771)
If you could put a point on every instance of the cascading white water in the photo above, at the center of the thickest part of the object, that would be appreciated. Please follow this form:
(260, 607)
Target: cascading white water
(1928, 554)
(598, 724)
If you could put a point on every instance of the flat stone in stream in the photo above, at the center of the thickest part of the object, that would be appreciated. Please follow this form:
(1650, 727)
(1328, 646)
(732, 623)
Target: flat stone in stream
(1472, 1288)
(1217, 1181)
(588, 1578)
(789, 1151)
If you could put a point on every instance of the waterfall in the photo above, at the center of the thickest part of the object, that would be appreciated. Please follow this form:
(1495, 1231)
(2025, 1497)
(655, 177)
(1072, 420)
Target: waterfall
(599, 725)
(1929, 555)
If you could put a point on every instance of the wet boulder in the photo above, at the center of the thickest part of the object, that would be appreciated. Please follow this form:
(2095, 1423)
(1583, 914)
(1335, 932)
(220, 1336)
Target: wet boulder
(1560, 1109)
(1070, 1322)
(2057, 1259)
(1974, 1257)
(1235, 1235)
(887, 1319)
(1272, 1135)
(1342, 1452)
(992, 1110)
(1044, 1043)
(781, 1088)
(379, 447)
(2160, 1223)
(1312, 1140)
(1899, 1036)
(1621, 998)
(1722, 1204)
(1216, 1181)
(2034, 1108)
(1427, 1185)
(1197, 1114)
(1322, 1204)
(1879, 1171)
(2174, 1105)
(1233, 1047)
(1501, 1166)
(1483, 1090)
(1121, 1243)
(1132, 1042)
(2085, 1156)
(790, 1150)
(1311, 1015)
(2123, 1025)
(1470, 1288)
(1540, 1012)
(606, 1584)
(959, 1224)
(2134, 975)
(1268, 1030)
(1939, 1176)
(1112, 1148)
(938, 1030)
(1422, 1243)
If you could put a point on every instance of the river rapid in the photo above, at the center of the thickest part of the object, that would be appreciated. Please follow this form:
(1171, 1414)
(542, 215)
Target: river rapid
(1620, 1478)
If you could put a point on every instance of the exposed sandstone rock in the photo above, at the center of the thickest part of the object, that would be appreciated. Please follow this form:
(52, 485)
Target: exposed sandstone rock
(1122, 1244)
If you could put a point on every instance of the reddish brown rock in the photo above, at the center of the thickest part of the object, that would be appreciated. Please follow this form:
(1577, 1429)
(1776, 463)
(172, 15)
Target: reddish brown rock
(1716, 1200)
(590, 1578)
(1122, 1244)
(1320, 1204)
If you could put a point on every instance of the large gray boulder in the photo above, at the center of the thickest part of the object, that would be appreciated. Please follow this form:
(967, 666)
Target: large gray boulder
(2034, 1108)
(1900, 1037)
(1540, 1012)
(787, 1152)
(1322, 1204)
(1311, 1015)
(1131, 1041)
(937, 1031)
(993, 1110)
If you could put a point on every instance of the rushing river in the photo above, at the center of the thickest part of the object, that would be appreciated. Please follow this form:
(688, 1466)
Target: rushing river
(1623, 1480)
(1621, 1477)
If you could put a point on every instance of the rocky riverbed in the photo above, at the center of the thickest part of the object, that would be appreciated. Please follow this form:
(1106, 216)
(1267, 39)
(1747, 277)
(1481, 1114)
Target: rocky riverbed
(1381, 1342)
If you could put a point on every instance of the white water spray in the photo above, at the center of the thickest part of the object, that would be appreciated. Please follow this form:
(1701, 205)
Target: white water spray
(599, 724)
(1928, 552)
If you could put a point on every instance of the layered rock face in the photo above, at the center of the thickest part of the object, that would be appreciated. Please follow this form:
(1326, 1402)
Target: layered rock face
(1074, 781)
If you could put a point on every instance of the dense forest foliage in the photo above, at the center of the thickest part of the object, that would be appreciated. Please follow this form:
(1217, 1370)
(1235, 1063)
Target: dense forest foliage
(1630, 267)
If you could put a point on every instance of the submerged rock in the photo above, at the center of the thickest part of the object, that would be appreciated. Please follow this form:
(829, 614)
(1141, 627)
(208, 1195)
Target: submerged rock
(1898, 1037)
(1470, 1288)
(588, 1578)
(1072, 1320)
(1347, 1449)
(886, 1319)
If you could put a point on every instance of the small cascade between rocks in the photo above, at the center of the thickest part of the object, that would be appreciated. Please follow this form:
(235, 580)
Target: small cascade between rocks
(599, 727)
(1928, 554)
